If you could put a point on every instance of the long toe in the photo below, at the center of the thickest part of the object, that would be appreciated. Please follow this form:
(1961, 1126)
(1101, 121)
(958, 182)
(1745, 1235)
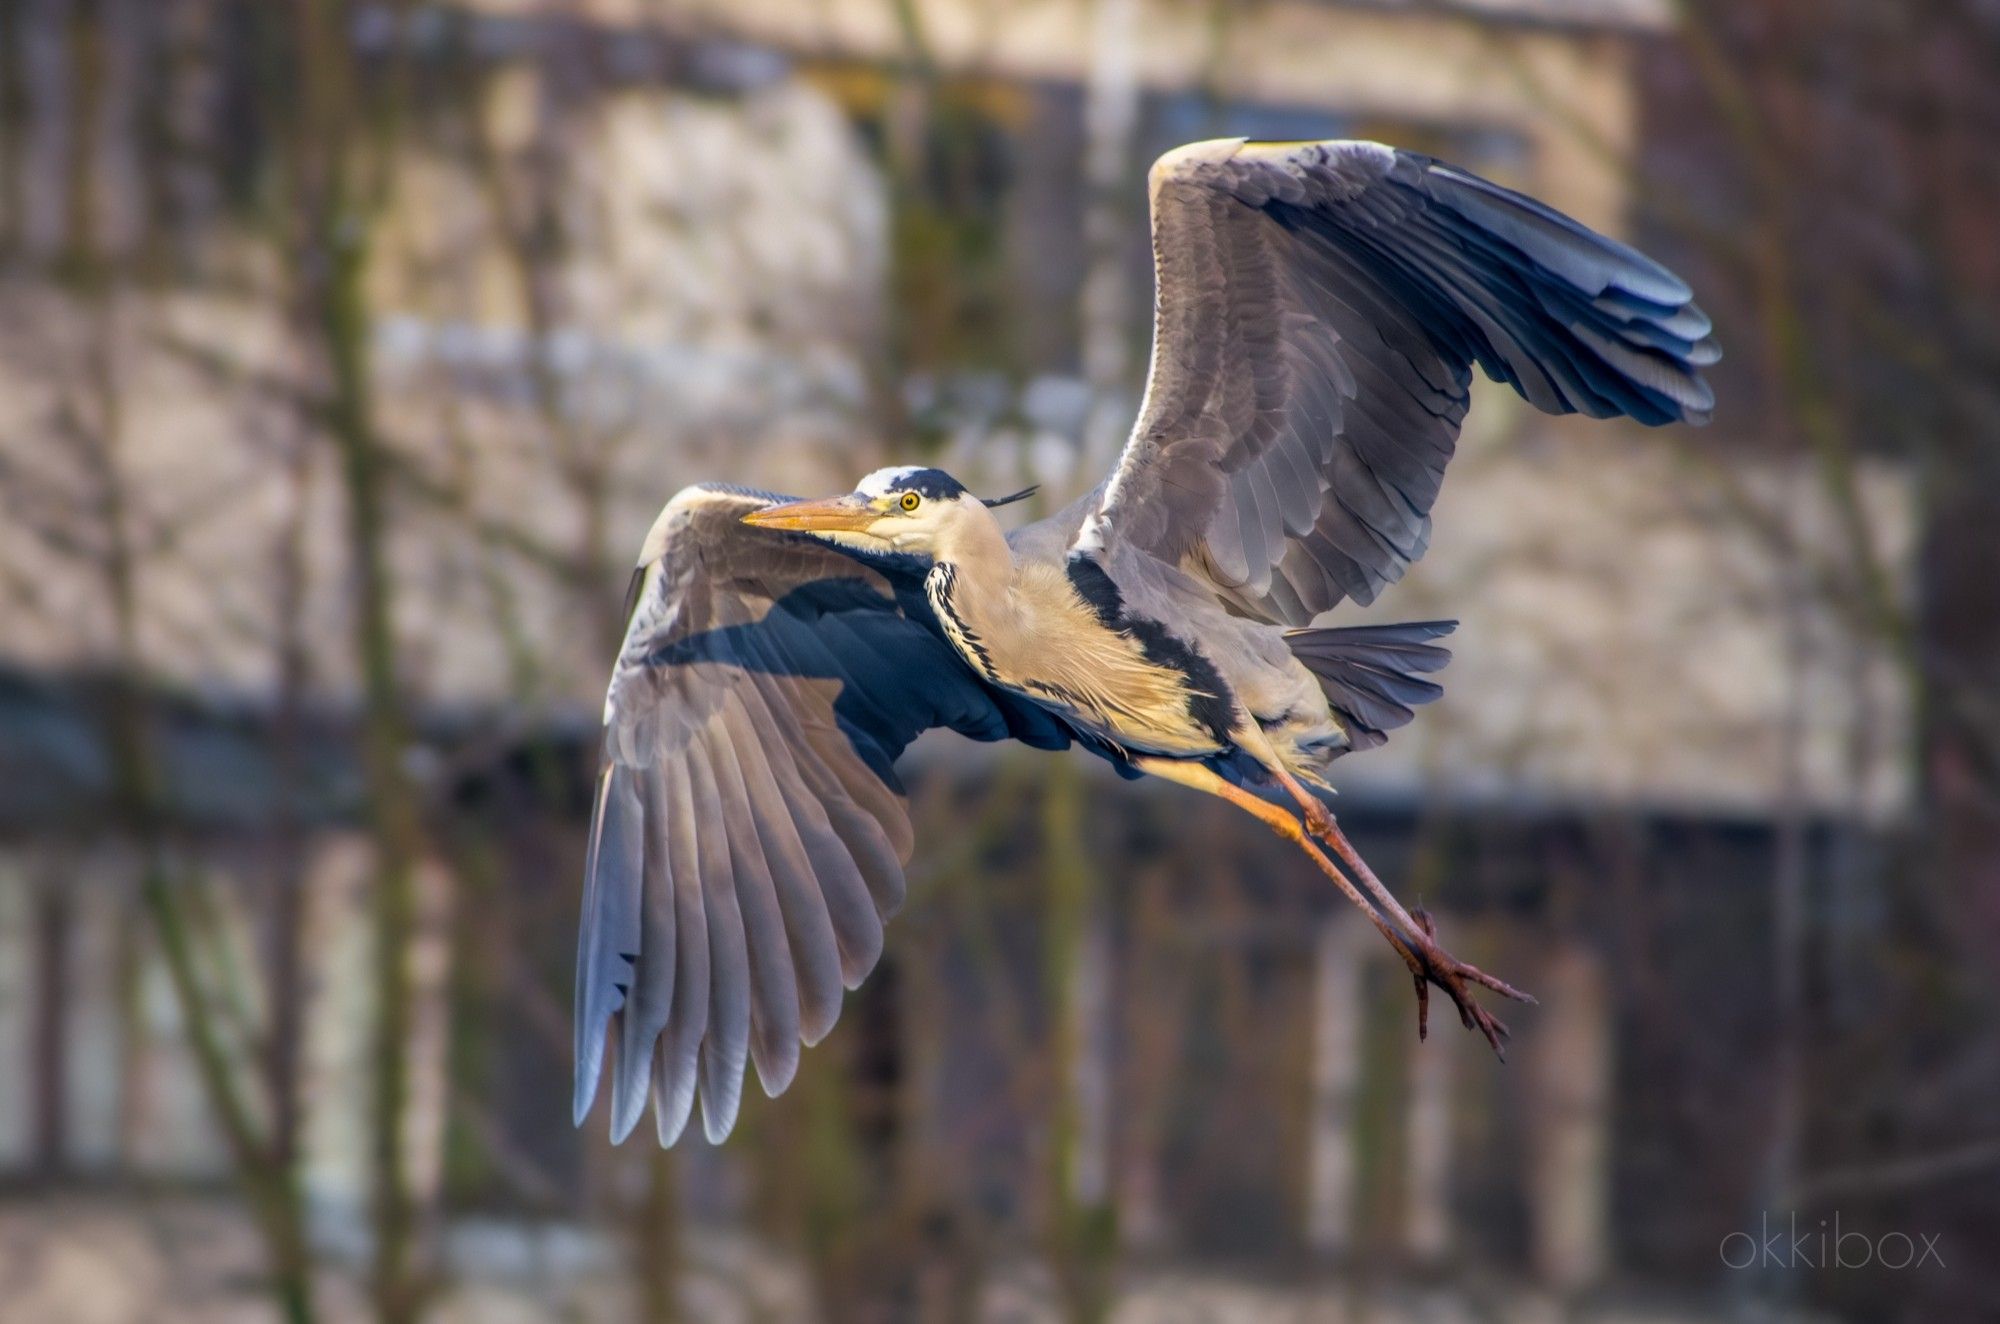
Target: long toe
(1437, 957)
(1493, 1028)
(1453, 976)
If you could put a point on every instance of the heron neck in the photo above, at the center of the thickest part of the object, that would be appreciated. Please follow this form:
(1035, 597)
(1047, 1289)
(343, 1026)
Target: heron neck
(971, 587)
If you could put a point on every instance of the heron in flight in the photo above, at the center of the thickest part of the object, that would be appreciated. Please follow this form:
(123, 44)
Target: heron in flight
(1318, 311)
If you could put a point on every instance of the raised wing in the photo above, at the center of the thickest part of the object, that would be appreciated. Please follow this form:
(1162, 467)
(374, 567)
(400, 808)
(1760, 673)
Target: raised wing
(1318, 309)
(749, 834)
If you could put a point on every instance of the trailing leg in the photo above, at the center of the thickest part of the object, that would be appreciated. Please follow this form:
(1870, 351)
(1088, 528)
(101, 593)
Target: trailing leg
(1441, 967)
(1416, 944)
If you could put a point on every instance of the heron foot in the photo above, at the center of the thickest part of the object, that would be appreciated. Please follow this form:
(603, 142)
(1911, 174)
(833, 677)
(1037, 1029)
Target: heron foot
(1430, 964)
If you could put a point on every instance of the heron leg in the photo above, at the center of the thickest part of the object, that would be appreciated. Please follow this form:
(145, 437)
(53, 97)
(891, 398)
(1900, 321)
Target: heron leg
(1202, 778)
(1417, 945)
(1450, 973)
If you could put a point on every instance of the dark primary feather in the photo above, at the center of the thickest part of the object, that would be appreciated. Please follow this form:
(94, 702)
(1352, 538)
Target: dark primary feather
(1373, 675)
(1318, 312)
(749, 835)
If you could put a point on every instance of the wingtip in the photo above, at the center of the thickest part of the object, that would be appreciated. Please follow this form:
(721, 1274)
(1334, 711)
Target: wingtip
(671, 1122)
(721, 1092)
(627, 1107)
(776, 1077)
(813, 1028)
(584, 1093)
(716, 1121)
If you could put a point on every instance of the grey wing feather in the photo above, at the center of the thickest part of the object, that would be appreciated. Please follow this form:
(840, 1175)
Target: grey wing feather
(1374, 675)
(1318, 311)
(726, 1048)
(748, 838)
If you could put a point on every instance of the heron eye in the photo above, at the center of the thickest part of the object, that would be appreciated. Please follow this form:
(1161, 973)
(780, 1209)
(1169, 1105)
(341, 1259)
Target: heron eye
(911, 501)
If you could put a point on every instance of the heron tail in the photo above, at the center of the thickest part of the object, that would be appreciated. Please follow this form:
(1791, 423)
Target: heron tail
(1374, 675)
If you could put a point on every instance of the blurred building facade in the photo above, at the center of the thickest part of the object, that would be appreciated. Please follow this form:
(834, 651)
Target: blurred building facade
(627, 247)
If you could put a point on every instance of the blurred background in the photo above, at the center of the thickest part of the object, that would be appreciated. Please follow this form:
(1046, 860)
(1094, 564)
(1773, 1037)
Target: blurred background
(347, 351)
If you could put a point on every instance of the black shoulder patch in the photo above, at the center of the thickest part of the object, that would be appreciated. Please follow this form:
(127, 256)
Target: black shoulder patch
(1095, 587)
(1210, 701)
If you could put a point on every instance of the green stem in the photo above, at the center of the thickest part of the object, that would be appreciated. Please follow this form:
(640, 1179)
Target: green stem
(334, 230)
(269, 1184)
(1080, 1233)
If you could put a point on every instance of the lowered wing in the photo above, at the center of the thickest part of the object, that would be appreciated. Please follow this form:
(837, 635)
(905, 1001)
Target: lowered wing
(749, 834)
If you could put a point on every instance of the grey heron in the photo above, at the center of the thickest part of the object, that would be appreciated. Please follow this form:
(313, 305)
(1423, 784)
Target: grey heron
(1319, 309)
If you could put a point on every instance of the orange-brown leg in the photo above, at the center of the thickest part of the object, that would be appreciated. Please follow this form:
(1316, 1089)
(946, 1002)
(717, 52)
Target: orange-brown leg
(1440, 966)
(1417, 946)
(1202, 778)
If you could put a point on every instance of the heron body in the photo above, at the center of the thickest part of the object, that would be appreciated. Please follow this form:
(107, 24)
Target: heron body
(1319, 308)
(1057, 633)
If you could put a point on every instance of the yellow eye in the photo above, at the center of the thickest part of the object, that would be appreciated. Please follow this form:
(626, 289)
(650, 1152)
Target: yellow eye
(910, 501)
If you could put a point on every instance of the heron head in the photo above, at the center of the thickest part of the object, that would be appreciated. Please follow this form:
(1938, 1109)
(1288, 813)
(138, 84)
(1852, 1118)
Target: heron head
(906, 509)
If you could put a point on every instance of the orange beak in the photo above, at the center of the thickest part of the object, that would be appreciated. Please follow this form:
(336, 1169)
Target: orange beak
(841, 514)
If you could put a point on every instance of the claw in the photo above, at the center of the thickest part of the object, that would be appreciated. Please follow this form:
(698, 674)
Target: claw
(1431, 964)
